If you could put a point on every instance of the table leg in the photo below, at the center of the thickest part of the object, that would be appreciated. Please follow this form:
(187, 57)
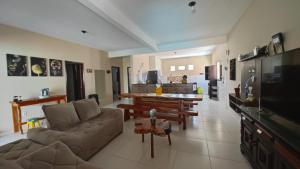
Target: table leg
(126, 115)
(143, 138)
(152, 146)
(169, 138)
(184, 122)
(15, 118)
(20, 119)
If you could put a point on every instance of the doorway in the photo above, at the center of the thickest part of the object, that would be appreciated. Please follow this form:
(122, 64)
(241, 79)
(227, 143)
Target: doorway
(75, 81)
(129, 79)
(116, 85)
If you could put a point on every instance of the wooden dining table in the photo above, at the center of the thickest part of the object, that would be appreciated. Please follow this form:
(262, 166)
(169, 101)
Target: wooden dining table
(185, 97)
(137, 97)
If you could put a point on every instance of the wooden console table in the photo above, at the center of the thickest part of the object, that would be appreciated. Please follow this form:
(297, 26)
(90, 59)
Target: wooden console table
(17, 113)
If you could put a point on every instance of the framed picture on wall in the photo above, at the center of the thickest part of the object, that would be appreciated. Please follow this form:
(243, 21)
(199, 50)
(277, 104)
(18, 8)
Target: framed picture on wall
(38, 66)
(56, 67)
(232, 69)
(16, 65)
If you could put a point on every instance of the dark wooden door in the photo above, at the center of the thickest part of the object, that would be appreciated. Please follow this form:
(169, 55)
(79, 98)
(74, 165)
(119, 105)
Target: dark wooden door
(75, 81)
(116, 82)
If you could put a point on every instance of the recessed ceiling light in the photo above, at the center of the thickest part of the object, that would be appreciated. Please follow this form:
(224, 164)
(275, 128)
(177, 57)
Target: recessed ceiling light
(84, 31)
(192, 4)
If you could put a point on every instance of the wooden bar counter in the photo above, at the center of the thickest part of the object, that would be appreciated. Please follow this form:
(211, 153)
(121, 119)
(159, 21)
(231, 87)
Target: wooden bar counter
(178, 88)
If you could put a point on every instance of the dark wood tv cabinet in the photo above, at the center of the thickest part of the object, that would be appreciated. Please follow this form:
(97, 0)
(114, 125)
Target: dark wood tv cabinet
(235, 102)
(268, 141)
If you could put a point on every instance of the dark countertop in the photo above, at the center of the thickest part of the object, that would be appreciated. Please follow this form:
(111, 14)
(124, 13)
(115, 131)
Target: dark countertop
(285, 130)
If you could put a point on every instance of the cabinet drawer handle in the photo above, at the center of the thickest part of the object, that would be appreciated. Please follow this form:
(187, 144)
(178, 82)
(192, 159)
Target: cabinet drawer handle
(259, 131)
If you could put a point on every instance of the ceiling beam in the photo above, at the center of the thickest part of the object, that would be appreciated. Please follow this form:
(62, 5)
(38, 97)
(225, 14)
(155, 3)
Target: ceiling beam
(109, 12)
(171, 46)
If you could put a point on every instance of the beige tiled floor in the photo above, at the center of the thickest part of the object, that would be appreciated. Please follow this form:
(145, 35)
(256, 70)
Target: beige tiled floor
(211, 141)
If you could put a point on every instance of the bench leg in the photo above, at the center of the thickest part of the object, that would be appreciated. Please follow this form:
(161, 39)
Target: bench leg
(169, 139)
(184, 122)
(152, 146)
(126, 115)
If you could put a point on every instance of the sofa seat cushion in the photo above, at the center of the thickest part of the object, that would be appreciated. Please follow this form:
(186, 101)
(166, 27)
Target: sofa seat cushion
(61, 116)
(6, 164)
(55, 156)
(17, 149)
(87, 137)
(87, 109)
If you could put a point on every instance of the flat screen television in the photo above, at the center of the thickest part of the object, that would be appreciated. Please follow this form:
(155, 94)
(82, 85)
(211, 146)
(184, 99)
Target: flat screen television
(280, 88)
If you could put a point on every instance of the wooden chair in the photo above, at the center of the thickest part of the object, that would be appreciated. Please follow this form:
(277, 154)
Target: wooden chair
(172, 110)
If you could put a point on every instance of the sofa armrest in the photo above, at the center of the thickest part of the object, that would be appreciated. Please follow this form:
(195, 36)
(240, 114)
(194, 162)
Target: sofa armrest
(116, 112)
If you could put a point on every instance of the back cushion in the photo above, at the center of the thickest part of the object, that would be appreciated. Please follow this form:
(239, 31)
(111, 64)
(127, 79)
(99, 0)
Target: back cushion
(87, 109)
(61, 116)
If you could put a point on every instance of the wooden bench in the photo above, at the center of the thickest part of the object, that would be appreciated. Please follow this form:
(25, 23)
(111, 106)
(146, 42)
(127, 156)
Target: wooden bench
(172, 110)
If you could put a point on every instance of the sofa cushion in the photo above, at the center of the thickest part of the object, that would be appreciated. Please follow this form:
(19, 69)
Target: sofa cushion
(6, 164)
(61, 116)
(87, 109)
(55, 156)
(17, 149)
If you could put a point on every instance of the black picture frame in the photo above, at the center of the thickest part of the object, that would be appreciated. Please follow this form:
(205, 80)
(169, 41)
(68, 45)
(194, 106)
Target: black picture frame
(38, 66)
(232, 69)
(17, 65)
(56, 67)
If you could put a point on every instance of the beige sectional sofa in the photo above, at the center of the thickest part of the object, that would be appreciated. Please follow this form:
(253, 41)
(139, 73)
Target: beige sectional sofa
(81, 126)
(55, 156)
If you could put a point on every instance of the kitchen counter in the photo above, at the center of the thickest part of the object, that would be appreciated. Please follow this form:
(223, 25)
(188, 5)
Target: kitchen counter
(178, 88)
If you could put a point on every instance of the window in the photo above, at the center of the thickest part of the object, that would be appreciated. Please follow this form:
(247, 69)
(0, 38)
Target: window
(181, 67)
(172, 68)
(190, 67)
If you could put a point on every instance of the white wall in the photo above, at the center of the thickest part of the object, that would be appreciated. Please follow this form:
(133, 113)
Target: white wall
(18, 41)
(199, 63)
(126, 63)
(263, 19)
(137, 62)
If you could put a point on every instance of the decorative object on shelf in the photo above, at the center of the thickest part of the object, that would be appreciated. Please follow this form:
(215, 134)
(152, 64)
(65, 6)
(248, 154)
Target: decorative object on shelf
(56, 67)
(257, 52)
(15, 99)
(16, 65)
(249, 87)
(277, 41)
(232, 69)
(88, 70)
(184, 79)
(38, 66)
(158, 89)
(44, 93)
(237, 91)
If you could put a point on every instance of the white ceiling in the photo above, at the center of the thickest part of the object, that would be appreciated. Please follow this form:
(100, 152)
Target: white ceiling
(170, 21)
(125, 27)
(65, 19)
(190, 52)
